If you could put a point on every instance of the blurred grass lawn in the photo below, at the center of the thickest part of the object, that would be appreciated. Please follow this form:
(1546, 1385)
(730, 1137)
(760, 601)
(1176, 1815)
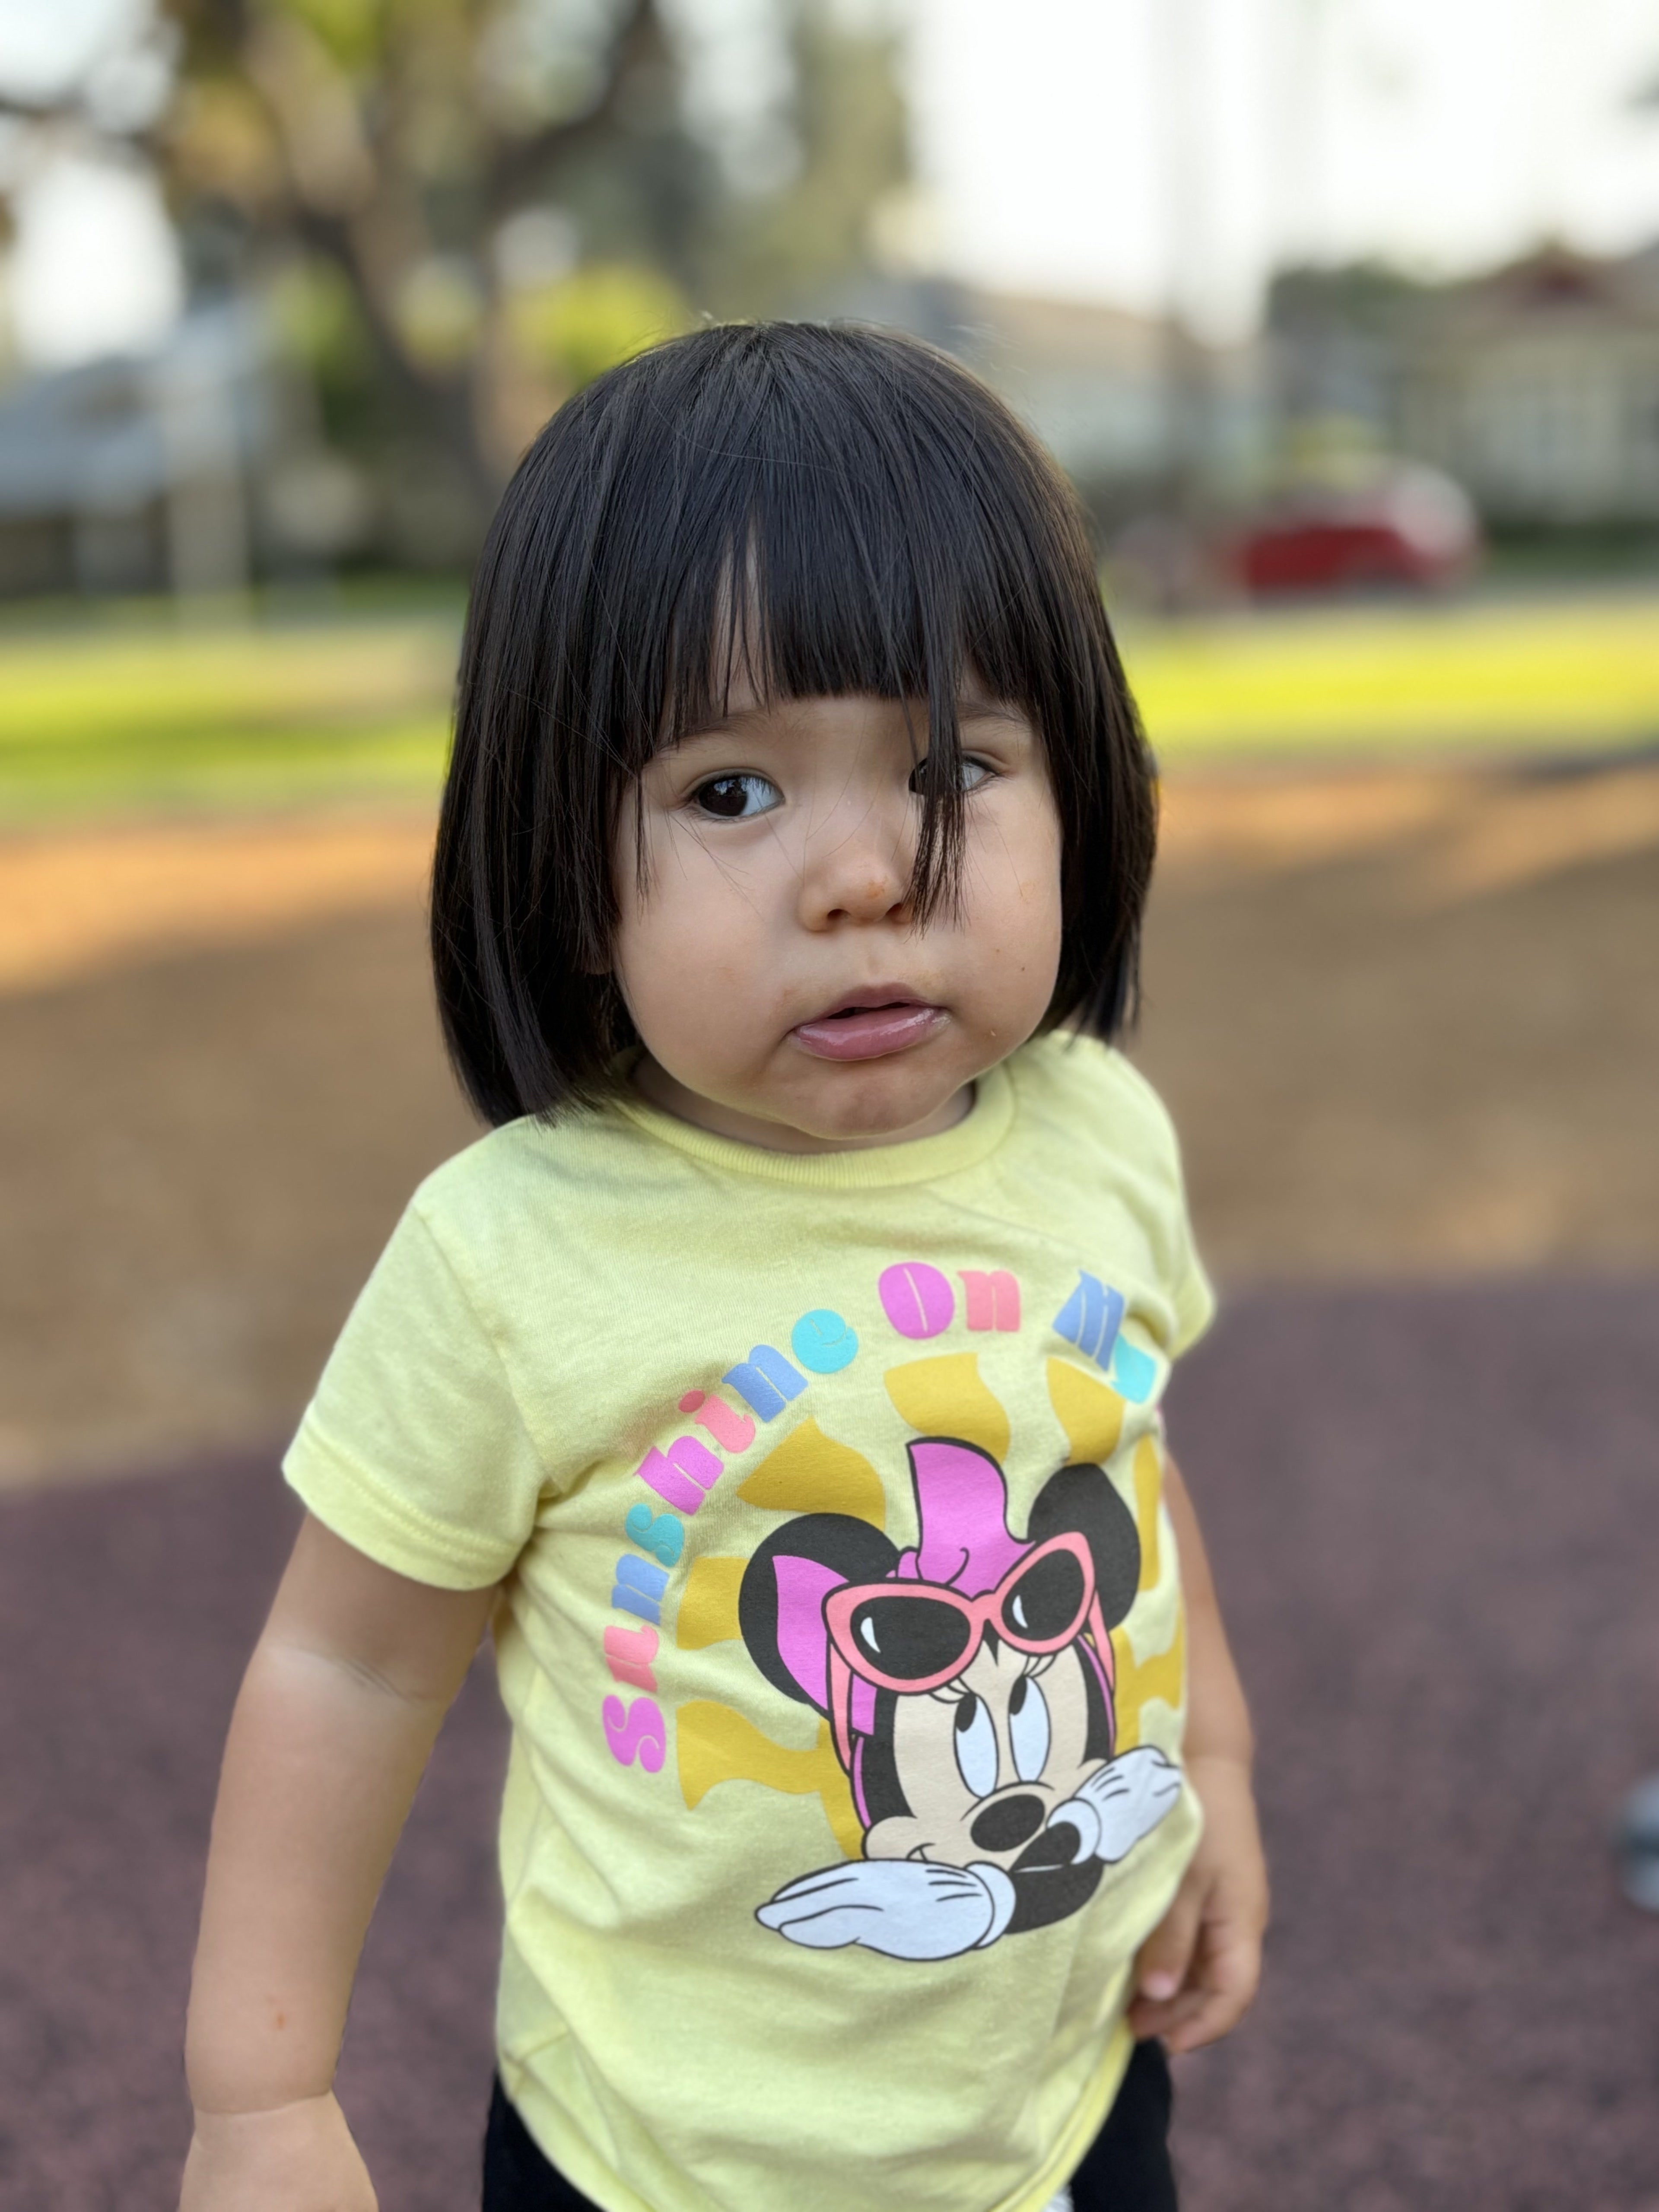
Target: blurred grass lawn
(138, 711)
(145, 713)
(1472, 677)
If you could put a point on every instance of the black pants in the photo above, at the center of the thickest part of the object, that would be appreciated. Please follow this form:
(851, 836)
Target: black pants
(1125, 2169)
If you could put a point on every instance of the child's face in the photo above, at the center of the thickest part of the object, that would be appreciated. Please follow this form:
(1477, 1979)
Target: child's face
(772, 965)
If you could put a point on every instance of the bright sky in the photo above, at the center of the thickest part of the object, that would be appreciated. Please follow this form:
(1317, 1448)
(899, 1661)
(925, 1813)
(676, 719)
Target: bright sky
(1113, 149)
(43, 47)
(1080, 146)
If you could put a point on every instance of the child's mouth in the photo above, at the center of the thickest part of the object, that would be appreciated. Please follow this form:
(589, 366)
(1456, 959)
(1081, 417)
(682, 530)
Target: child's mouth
(869, 1025)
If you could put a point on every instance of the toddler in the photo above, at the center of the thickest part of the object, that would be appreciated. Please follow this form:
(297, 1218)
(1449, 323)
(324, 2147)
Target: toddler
(780, 1378)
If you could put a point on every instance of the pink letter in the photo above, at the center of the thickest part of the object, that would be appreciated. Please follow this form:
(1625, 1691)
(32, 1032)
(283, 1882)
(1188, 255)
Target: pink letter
(681, 1473)
(638, 1646)
(637, 1728)
(992, 1299)
(732, 1430)
(628, 1653)
(916, 1298)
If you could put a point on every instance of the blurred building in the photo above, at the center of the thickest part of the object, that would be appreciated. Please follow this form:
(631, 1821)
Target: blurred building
(186, 469)
(1535, 386)
(1136, 411)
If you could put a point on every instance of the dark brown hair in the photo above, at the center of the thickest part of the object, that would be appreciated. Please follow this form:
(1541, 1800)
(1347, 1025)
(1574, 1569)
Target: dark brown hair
(891, 526)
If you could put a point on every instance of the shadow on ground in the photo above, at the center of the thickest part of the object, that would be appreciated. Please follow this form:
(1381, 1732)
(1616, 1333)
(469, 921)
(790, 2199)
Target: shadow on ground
(1437, 1521)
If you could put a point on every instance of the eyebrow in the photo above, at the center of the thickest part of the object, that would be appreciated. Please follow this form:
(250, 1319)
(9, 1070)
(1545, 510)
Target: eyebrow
(722, 726)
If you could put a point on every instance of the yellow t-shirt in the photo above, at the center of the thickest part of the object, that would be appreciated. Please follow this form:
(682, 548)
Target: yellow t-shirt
(841, 1627)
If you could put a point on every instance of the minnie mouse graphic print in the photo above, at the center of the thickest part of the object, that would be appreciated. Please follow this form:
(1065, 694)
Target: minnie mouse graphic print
(969, 1681)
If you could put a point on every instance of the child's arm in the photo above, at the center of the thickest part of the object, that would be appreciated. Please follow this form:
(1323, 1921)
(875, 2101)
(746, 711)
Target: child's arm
(1197, 1971)
(339, 1711)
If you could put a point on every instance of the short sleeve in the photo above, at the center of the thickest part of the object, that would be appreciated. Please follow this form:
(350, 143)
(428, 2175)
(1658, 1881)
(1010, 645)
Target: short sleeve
(1191, 1293)
(413, 1448)
(1186, 1284)
(1143, 1121)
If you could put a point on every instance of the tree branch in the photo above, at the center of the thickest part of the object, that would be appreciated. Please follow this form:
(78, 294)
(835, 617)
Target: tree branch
(518, 164)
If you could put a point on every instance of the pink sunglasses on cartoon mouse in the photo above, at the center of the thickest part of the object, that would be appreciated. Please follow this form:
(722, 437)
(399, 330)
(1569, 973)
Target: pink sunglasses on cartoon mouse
(916, 1636)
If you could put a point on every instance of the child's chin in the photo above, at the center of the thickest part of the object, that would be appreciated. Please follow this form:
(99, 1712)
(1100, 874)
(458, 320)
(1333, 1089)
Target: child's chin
(880, 1101)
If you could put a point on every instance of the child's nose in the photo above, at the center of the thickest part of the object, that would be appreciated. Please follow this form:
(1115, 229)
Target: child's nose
(861, 875)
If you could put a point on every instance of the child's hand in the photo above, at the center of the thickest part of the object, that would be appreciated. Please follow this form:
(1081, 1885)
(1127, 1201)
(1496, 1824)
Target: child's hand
(1197, 1971)
(297, 2158)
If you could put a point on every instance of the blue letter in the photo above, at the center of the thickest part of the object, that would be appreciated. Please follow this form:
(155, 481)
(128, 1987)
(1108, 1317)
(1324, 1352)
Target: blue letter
(1133, 1372)
(823, 1342)
(638, 1587)
(1090, 1318)
(765, 1381)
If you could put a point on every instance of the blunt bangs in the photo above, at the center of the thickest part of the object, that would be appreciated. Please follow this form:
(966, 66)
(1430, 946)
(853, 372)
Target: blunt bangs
(820, 510)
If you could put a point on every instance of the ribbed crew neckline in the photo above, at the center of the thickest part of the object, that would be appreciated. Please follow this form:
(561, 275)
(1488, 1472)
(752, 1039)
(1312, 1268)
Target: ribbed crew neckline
(879, 1167)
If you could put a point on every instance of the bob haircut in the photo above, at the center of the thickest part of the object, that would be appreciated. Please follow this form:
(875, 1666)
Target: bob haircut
(829, 510)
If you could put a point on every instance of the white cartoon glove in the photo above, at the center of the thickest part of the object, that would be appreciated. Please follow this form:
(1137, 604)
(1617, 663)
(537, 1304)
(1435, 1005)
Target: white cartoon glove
(1119, 1803)
(904, 1908)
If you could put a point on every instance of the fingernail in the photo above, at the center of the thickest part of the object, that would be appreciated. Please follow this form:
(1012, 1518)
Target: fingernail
(1160, 1986)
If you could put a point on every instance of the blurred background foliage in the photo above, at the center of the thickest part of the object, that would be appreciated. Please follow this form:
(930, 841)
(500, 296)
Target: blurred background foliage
(460, 213)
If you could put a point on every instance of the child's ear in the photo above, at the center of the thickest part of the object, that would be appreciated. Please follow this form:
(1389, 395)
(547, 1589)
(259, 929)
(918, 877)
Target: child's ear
(1084, 1499)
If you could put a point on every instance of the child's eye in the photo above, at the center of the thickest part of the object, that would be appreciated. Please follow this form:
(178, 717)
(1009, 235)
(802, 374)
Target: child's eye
(970, 774)
(736, 798)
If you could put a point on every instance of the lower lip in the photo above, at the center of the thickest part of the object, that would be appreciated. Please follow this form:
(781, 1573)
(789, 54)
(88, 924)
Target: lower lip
(872, 1033)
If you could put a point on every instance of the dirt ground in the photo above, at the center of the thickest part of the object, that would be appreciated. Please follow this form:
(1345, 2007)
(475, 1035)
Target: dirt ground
(1408, 1023)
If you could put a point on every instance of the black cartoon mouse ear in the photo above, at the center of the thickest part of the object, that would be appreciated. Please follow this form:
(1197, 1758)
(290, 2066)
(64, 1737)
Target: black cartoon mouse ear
(780, 1602)
(1084, 1499)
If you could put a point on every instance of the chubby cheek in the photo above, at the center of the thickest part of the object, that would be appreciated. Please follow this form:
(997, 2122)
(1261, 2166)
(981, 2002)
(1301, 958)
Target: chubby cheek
(691, 963)
(1012, 916)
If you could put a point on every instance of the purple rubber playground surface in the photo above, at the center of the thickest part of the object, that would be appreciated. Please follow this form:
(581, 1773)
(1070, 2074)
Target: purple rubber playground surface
(1436, 1517)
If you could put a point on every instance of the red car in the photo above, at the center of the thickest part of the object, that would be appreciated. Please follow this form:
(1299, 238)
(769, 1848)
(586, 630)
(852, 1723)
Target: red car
(1412, 527)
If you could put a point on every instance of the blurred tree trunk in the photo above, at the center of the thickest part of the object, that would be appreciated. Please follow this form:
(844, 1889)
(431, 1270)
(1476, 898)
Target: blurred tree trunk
(786, 250)
(388, 142)
(412, 183)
